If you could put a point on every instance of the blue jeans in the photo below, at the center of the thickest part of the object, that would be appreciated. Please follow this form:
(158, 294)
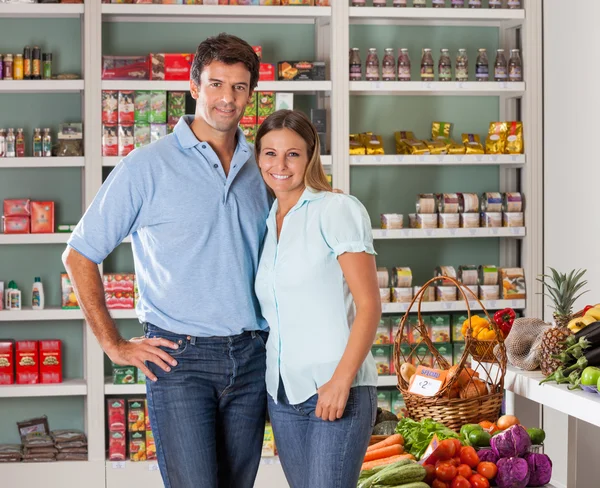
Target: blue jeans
(315, 453)
(208, 412)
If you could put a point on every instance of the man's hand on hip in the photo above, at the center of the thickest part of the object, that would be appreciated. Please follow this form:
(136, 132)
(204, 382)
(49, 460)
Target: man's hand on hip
(137, 351)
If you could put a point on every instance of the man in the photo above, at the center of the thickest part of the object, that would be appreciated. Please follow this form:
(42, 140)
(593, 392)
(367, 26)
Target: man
(195, 205)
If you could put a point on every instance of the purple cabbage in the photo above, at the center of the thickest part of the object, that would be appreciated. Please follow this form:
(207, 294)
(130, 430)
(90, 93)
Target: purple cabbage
(487, 455)
(513, 442)
(540, 468)
(512, 473)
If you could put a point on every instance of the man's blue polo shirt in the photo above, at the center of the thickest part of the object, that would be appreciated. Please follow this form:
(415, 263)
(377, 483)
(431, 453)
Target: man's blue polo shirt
(196, 233)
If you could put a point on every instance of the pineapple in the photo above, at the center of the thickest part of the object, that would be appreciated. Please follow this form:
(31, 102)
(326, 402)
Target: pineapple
(563, 292)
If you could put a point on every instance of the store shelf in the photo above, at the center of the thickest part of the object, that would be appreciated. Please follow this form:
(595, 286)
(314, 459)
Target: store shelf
(29, 10)
(76, 387)
(123, 314)
(41, 86)
(48, 314)
(510, 160)
(444, 307)
(61, 474)
(449, 233)
(112, 161)
(42, 162)
(55, 238)
(468, 88)
(271, 86)
(110, 389)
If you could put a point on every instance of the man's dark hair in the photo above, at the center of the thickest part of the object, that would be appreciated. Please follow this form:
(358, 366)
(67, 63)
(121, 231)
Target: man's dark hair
(227, 49)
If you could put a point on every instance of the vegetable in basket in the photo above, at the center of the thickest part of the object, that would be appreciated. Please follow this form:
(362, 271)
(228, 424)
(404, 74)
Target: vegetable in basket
(514, 441)
(513, 472)
(418, 435)
(540, 468)
(504, 319)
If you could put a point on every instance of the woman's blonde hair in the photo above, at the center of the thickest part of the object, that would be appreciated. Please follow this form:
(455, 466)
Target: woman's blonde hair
(314, 176)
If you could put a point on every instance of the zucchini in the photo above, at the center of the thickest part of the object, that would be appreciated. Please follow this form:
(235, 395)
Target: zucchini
(370, 481)
(401, 475)
(416, 484)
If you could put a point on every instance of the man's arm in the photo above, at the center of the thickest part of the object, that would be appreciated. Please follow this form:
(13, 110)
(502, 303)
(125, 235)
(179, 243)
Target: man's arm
(89, 290)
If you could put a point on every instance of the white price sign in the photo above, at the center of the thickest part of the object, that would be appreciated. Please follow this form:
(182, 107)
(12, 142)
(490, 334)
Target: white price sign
(425, 386)
(119, 465)
(153, 467)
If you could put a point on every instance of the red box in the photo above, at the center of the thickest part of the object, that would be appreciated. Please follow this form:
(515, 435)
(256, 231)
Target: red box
(110, 144)
(115, 409)
(7, 362)
(16, 225)
(110, 106)
(27, 361)
(51, 361)
(42, 217)
(267, 72)
(126, 107)
(126, 140)
(17, 207)
(117, 446)
(171, 66)
(258, 51)
(125, 67)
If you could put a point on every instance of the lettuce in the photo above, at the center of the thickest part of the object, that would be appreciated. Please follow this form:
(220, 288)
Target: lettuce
(418, 435)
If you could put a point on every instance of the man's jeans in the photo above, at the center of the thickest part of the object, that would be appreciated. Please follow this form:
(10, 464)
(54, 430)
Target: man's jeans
(208, 413)
(316, 453)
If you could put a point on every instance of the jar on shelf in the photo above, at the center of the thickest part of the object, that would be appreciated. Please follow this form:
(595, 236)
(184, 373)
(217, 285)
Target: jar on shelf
(445, 66)
(500, 66)
(355, 65)
(515, 68)
(372, 66)
(482, 66)
(404, 65)
(427, 69)
(462, 65)
(388, 66)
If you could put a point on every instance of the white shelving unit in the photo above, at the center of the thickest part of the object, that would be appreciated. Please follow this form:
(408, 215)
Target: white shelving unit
(445, 307)
(55, 238)
(263, 86)
(55, 162)
(55, 313)
(503, 160)
(69, 387)
(448, 88)
(419, 16)
(25, 10)
(41, 86)
(111, 161)
(449, 233)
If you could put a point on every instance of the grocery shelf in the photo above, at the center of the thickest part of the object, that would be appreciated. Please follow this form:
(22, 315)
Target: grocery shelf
(510, 160)
(110, 389)
(458, 88)
(111, 161)
(49, 313)
(269, 86)
(54, 238)
(449, 233)
(30, 10)
(54, 475)
(444, 307)
(53, 162)
(75, 387)
(41, 86)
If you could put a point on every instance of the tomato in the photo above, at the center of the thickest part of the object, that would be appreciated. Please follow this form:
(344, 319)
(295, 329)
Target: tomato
(446, 449)
(445, 472)
(458, 446)
(465, 470)
(487, 470)
(478, 481)
(439, 484)
(430, 470)
(468, 455)
(460, 482)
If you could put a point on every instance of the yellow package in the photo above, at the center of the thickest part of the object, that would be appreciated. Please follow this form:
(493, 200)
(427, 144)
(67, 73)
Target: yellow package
(364, 137)
(356, 146)
(440, 130)
(514, 139)
(472, 144)
(437, 147)
(374, 144)
(414, 146)
(454, 147)
(400, 136)
(495, 142)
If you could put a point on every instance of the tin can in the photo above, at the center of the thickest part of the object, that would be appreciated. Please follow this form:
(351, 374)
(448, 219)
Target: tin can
(27, 63)
(469, 220)
(448, 221)
(491, 202)
(513, 202)
(36, 69)
(427, 203)
(448, 271)
(8, 67)
(469, 202)
(468, 275)
(448, 203)
(491, 219)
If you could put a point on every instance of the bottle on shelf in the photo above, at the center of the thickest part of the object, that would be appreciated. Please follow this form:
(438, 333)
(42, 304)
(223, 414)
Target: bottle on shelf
(27, 63)
(359, 3)
(457, 3)
(11, 150)
(372, 65)
(427, 73)
(404, 65)
(388, 66)
(438, 3)
(474, 3)
(482, 66)
(445, 66)
(462, 66)
(13, 297)
(379, 3)
(18, 67)
(37, 295)
(2, 143)
(495, 4)
(1, 67)
(37, 143)
(500, 66)
(515, 68)
(355, 65)
(8, 67)
(36, 67)
(419, 3)
(20, 143)
(47, 66)
(47, 143)
(400, 3)
(514, 4)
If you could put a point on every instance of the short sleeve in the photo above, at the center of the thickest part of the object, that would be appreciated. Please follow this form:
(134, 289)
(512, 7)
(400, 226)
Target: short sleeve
(112, 216)
(346, 226)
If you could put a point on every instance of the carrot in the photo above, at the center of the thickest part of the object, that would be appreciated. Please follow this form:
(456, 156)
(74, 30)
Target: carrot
(384, 452)
(380, 462)
(389, 441)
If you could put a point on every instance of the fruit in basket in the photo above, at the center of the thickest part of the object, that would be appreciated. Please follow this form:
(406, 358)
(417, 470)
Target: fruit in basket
(407, 371)
(474, 389)
(512, 473)
(540, 468)
(464, 377)
(514, 441)
(563, 290)
(477, 324)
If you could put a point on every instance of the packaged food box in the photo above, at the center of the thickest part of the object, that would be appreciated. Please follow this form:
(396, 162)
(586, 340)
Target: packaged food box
(123, 375)
(126, 140)
(423, 356)
(141, 107)
(406, 350)
(457, 351)
(119, 290)
(402, 295)
(115, 411)
(7, 362)
(117, 446)
(301, 70)
(137, 446)
(140, 377)
(136, 417)
(398, 405)
(17, 207)
(141, 135)
(171, 66)
(249, 131)
(175, 106)
(150, 446)
(15, 225)
(258, 51)
(110, 141)
(51, 361)
(125, 68)
(158, 107)
(489, 292)
(244, 2)
(439, 333)
(440, 319)
(251, 111)
(395, 321)
(27, 362)
(69, 299)
(42, 217)
(383, 335)
(266, 72)
(268, 446)
(266, 105)
(457, 322)
(381, 354)
(157, 132)
(445, 351)
(148, 427)
(513, 283)
(284, 101)
(384, 400)
(126, 107)
(110, 106)
(414, 334)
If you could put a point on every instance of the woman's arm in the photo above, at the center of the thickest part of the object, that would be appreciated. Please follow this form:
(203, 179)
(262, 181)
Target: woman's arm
(360, 272)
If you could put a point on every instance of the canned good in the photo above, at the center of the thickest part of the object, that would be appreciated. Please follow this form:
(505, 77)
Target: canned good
(383, 277)
(427, 221)
(448, 203)
(468, 275)
(469, 202)
(401, 277)
(491, 202)
(402, 295)
(384, 294)
(469, 220)
(488, 274)
(448, 221)
(412, 221)
(513, 202)
(392, 221)
(513, 219)
(471, 291)
(489, 292)
(448, 271)
(446, 293)
(491, 219)
(427, 203)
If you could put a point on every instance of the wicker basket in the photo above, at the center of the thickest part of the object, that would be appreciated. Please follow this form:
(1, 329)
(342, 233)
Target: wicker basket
(452, 412)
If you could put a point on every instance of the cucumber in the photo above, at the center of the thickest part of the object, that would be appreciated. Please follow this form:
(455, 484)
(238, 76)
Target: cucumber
(403, 474)
(370, 481)
(415, 484)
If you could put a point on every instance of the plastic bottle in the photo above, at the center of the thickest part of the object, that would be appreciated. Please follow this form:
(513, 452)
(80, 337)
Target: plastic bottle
(20, 143)
(11, 150)
(438, 3)
(37, 143)
(13, 297)
(457, 3)
(400, 3)
(37, 295)
(419, 3)
(494, 4)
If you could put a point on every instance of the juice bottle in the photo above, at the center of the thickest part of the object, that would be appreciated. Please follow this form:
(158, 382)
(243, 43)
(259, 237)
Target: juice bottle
(404, 65)
(482, 66)
(445, 66)
(388, 64)
(500, 66)
(355, 65)
(372, 66)
(427, 73)
(515, 68)
(462, 66)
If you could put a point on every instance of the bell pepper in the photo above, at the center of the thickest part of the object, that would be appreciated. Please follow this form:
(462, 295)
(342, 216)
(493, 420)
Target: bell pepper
(486, 334)
(587, 307)
(504, 320)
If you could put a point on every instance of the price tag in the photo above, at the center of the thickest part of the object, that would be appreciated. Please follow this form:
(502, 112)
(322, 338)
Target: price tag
(378, 85)
(503, 85)
(460, 85)
(428, 232)
(459, 159)
(453, 232)
(119, 465)
(448, 305)
(427, 382)
(494, 231)
(378, 159)
(479, 158)
(153, 467)
(405, 233)
(383, 233)
(420, 158)
(515, 231)
(398, 159)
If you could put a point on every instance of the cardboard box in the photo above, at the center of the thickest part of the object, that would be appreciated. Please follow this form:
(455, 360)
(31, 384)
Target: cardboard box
(110, 106)
(110, 140)
(136, 417)
(266, 72)
(266, 105)
(150, 446)
(141, 107)
(126, 107)
(137, 446)
(157, 132)
(423, 356)
(513, 284)
(42, 217)
(141, 135)
(124, 375)
(125, 67)
(381, 354)
(15, 225)
(117, 446)
(17, 207)
(171, 66)
(383, 335)
(175, 106)
(284, 101)
(268, 446)
(251, 111)
(51, 361)
(249, 131)
(27, 362)
(69, 299)
(301, 70)
(140, 377)
(7, 362)
(148, 427)
(158, 107)
(398, 405)
(439, 333)
(119, 290)
(384, 400)
(445, 351)
(457, 323)
(115, 411)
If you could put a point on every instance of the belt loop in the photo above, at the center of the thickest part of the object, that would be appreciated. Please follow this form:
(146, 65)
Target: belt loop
(192, 340)
(253, 334)
(145, 327)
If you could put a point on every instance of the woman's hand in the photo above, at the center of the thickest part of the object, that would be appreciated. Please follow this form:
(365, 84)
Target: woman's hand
(333, 396)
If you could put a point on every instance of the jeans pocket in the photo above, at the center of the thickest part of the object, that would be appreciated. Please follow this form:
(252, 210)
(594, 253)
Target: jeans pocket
(373, 396)
(154, 332)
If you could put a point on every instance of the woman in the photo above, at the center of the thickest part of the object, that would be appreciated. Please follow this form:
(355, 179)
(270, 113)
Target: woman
(317, 287)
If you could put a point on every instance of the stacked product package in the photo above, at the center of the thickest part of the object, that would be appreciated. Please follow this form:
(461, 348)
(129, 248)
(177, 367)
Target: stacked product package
(129, 430)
